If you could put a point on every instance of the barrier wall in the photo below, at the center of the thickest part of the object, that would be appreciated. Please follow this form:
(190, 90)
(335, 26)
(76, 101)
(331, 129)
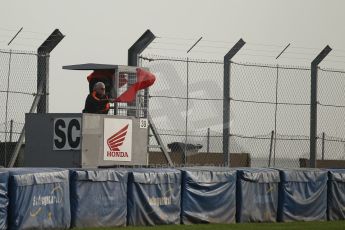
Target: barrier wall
(3, 198)
(104, 191)
(336, 194)
(154, 197)
(48, 198)
(257, 195)
(303, 195)
(208, 195)
(39, 199)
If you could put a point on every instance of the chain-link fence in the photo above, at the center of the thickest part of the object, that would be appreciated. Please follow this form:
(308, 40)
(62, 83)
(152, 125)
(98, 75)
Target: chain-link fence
(269, 112)
(270, 108)
(271, 102)
(331, 111)
(18, 88)
(187, 114)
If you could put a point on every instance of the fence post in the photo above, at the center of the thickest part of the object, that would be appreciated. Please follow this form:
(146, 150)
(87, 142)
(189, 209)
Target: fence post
(323, 146)
(208, 140)
(275, 115)
(313, 105)
(271, 148)
(43, 68)
(6, 102)
(226, 100)
(185, 152)
(139, 46)
(133, 55)
(11, 130)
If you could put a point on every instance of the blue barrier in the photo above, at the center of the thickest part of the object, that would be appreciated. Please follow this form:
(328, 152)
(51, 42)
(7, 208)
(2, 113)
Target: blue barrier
(336, 194)
(303, 195)
(257, 195)
(154, 197)
(3, 198)
(208, 195)
(43, 198)
(102, 191)
(39, 199)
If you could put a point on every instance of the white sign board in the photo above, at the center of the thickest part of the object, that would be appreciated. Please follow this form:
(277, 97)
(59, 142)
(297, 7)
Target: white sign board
(117, 139)
(67, 132)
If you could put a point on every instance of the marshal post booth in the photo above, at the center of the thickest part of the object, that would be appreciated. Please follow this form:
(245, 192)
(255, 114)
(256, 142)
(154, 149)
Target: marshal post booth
(95, 140)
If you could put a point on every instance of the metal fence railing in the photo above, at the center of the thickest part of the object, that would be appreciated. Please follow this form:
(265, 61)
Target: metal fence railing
(183, 109)
(18, 88)
(269, 111)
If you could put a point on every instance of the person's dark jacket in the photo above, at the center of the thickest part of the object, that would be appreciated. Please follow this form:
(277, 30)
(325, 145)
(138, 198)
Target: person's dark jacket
(96, 104)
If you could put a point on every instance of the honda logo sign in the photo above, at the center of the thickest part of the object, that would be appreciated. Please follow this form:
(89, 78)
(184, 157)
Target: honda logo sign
(117, 139)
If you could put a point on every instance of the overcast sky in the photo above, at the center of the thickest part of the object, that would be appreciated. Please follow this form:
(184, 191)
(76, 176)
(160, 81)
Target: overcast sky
(103, 30)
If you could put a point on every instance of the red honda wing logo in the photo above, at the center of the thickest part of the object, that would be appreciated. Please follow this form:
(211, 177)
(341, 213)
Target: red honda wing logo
(116, 140)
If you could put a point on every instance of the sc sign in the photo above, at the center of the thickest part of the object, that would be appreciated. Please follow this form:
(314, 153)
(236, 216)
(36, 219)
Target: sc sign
(67, 134)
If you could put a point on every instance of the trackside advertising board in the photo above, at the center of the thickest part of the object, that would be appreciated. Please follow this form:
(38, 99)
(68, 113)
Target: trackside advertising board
(117, 139)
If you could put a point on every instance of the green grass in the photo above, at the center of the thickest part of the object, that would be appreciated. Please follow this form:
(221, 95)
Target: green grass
(252, 226)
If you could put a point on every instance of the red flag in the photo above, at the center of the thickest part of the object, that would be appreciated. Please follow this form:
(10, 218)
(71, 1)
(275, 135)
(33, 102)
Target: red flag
(144, 80)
